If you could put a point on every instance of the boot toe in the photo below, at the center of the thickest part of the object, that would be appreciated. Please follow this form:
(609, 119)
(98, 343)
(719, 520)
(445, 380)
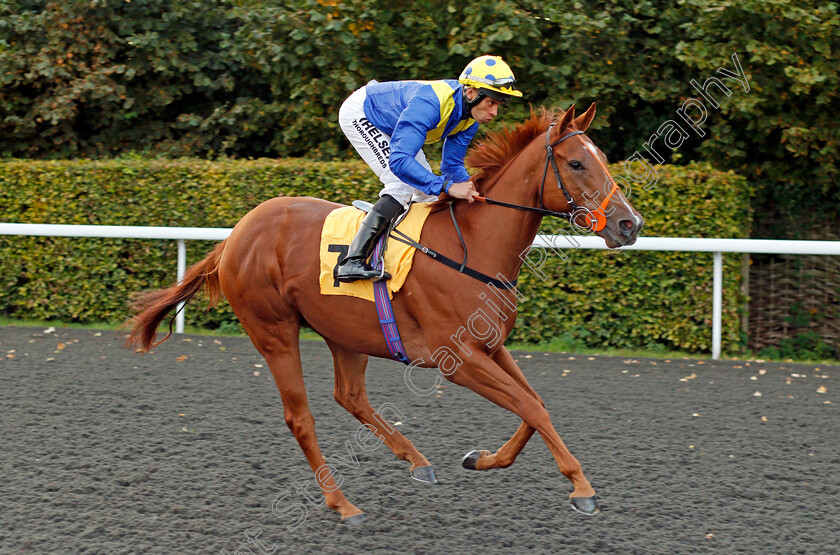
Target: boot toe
(355, 271)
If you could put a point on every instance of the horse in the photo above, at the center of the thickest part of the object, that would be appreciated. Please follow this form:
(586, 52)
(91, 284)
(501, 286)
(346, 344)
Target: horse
(268, 270)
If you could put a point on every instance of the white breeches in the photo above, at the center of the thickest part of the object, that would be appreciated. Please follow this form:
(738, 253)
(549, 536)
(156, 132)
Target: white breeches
(374, 146)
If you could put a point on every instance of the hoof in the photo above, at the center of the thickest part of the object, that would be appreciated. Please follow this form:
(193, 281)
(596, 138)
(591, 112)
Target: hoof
(424, 474)
(354, 520)
(470, 459)
(585, 505)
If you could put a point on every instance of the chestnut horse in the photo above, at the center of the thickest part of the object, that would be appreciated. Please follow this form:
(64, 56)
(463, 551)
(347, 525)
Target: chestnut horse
(269, 265)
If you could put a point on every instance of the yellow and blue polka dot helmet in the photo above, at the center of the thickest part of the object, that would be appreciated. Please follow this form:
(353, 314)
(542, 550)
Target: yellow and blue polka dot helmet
(492, 76)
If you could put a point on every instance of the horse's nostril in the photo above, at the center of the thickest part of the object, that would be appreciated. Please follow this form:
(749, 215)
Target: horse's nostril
(626, 226)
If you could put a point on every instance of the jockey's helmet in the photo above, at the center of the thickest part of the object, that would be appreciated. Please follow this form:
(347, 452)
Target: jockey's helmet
(492, 77)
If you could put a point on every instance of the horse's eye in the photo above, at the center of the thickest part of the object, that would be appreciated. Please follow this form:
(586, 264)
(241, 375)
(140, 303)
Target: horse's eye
(575, 165)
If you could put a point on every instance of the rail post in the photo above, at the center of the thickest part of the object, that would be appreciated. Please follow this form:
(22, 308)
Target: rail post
(717, 304)
(182, 269)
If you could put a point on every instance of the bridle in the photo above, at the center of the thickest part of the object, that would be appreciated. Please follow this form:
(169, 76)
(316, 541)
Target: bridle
(597, 221)
(549, 158)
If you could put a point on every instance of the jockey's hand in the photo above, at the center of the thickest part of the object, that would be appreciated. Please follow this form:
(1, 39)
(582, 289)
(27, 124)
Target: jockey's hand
(465, 190)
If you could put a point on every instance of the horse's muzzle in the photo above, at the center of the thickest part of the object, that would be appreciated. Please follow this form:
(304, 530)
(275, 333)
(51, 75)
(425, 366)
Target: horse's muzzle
(624, 233)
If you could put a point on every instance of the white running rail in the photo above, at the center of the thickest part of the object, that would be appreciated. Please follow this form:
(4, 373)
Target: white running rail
(554, 242)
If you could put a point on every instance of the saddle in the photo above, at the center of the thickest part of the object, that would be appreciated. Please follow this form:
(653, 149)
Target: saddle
(338, 231)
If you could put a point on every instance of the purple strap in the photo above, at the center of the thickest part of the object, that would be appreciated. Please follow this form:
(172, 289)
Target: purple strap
(385, 310)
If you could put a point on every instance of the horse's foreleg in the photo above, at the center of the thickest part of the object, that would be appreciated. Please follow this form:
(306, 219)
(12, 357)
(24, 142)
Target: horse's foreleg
(279, 345)
(491, 382)
(351, 393)
(507, 453)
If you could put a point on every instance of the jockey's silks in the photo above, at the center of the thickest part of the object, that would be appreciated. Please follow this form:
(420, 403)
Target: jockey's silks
(415, 113)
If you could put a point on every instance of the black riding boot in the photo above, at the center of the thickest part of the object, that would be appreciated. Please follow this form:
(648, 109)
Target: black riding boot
(355, 266)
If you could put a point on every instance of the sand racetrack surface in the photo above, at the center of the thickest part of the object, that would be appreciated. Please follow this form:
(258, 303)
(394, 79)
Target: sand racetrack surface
(185, 450)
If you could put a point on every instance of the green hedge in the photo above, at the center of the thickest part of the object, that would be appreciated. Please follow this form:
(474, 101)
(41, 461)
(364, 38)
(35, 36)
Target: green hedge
(598, 298)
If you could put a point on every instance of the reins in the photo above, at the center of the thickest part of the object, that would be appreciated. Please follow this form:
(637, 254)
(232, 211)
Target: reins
(543, 211)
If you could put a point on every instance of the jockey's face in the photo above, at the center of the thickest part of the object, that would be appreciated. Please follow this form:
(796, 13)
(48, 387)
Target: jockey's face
(485, 110)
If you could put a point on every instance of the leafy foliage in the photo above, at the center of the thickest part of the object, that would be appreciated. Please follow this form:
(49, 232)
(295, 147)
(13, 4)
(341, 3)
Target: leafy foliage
(599, 299)
(250, 78)
(782, 134)
(803, 345)
(97, 78)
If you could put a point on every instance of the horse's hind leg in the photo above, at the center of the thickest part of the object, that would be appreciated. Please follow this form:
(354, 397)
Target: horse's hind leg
(504, 457)
(278, 343)
(351, 393)
(507, 453)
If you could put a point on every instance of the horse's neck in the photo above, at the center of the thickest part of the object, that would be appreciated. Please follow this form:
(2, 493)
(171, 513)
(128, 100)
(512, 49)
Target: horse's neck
(506, 233)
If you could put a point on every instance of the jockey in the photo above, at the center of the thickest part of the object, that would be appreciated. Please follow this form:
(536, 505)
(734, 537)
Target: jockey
(388, 124)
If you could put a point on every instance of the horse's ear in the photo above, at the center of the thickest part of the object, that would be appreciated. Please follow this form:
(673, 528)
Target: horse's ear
(568, 117)
(582, 121)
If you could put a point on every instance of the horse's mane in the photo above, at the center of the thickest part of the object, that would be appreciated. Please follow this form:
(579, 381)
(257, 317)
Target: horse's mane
(501, 147)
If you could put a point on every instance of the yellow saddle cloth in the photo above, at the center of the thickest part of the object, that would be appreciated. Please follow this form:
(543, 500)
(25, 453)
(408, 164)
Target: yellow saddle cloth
(339, 229)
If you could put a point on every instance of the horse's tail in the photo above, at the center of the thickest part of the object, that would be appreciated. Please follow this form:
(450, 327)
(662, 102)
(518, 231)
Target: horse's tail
(151, 307)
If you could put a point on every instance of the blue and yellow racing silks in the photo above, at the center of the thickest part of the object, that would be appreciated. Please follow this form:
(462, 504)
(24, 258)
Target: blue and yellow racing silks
(415, 113)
